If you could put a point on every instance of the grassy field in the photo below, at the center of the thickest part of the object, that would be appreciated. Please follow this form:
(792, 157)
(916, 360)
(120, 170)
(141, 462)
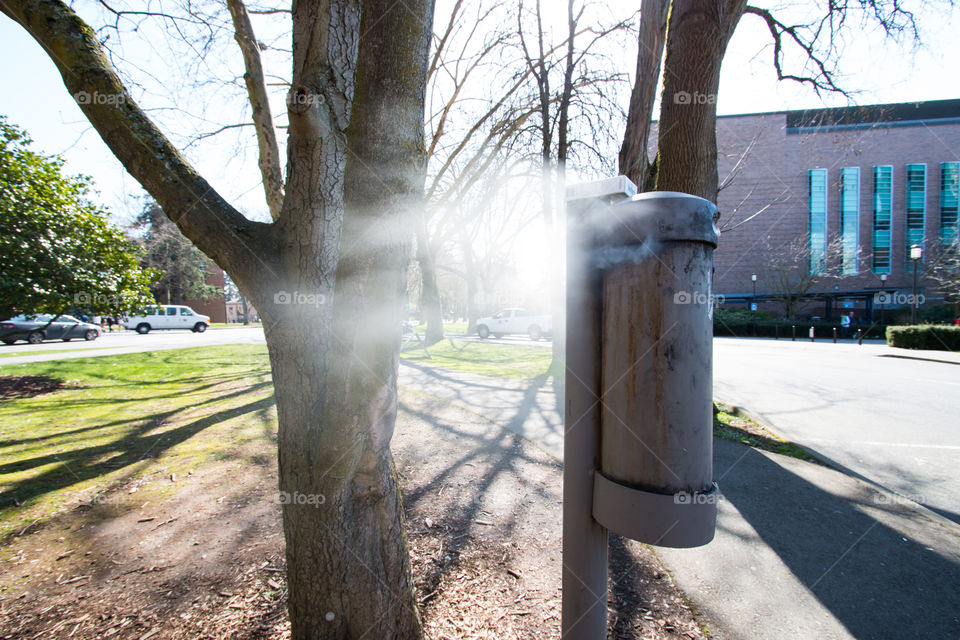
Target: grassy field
(120, 421)
(36, 352)
(509, 361)
(125, 417)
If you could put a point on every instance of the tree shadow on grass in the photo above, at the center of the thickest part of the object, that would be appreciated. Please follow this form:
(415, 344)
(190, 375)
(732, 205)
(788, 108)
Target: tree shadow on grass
(85, 463)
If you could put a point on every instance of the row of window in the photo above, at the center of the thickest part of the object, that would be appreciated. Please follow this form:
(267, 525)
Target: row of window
(914, 219)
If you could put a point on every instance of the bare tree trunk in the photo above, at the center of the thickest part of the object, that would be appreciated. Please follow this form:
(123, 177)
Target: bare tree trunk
(342, 242)
(634, 161)
(697, 38)
(470, 276)
(429, 292)
(245, 305)
(349, 557)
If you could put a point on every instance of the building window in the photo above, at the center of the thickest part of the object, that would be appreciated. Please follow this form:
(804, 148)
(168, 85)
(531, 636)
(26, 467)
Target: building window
(882, 206)
(916, 197)
(818, 219)
(849, 219)
(949, 197)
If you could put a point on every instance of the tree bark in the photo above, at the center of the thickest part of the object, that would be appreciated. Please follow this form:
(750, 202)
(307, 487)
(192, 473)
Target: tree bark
(349, 557)
(697, 37)
(634, 161)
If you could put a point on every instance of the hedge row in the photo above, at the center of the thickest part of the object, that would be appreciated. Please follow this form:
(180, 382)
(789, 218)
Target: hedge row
(770, 329)
(933, 337)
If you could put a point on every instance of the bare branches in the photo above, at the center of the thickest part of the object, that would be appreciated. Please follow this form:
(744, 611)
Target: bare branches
(943, 267)
(822, 80)
(794, 269)
(818, 39)
(269, 160)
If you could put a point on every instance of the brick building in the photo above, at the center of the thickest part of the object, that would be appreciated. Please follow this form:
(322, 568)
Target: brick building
(214, 307)
(854, 187)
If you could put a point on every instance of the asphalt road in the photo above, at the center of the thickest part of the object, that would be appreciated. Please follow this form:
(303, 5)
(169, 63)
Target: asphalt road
(127, 342)
(892, 420)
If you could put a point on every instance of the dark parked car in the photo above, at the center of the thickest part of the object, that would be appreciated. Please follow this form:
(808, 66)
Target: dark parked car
(34, 329)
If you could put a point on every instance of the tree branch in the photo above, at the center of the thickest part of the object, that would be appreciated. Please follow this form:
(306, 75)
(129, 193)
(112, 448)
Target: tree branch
(198, 210)
(260, 104)
(823, 81)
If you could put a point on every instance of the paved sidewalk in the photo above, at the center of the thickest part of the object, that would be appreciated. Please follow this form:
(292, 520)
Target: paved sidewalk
(801, 551)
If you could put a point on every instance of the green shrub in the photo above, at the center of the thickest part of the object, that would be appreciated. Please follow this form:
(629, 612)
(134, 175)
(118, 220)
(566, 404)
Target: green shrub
(932, 337)
(939, 314)
(725, 325)
(738, 315)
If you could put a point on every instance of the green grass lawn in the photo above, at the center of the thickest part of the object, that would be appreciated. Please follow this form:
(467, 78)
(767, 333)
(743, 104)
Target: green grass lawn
(510, 361)
(37, 352)
(125, 418)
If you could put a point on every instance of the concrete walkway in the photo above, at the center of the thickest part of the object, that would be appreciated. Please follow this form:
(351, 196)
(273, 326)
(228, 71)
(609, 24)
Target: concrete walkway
(801, 551)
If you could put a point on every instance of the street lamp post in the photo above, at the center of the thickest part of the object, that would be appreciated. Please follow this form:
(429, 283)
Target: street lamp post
(883, 295)
(753, 303)
(916, 253)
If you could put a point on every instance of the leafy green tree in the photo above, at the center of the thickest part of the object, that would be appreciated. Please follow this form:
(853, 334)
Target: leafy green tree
(182, 268)
(58, 251)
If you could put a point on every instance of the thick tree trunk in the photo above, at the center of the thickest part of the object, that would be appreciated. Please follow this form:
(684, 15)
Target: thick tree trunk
(347, 560)
(330, 294)
(429, 291)
(697, 38)
(634, 161)
(342, 516)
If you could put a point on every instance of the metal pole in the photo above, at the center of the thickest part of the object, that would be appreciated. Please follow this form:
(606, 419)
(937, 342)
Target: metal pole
(913, 306)
(834, 335)
(794, 338)
(584, 573)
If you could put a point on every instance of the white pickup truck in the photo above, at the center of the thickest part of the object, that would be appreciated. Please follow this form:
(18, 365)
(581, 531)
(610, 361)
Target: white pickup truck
(515, 321)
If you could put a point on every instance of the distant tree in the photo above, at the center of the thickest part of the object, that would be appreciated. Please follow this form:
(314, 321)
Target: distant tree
(58, 251)
(233, 294)
(943, 267)
(182, 268)
(792, 271)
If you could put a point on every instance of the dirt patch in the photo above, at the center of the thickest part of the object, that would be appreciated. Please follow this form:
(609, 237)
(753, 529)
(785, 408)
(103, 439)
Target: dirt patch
(206, 560)
(27, 386)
